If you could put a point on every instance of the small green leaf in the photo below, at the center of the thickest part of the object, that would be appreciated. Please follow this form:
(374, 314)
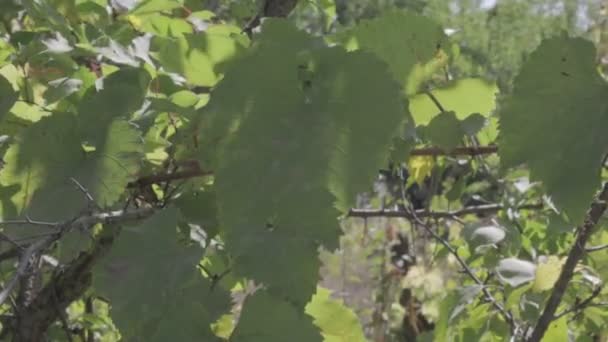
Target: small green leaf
(547, 273)
(473, 124)
(481, 235)
(154, 6)
(515, 272)
(200, 57)
(445, 131)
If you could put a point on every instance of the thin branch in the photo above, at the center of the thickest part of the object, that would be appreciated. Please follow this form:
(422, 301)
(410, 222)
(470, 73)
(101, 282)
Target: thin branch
(489, 297)
(85, 192)
(28, 221)
(24, 262)
(598, 207)
(167, 177)
(422, 151)
(465, 151)
(480, 209)
(9, 254)
(435, 101)
(596, 248)
(578, 307)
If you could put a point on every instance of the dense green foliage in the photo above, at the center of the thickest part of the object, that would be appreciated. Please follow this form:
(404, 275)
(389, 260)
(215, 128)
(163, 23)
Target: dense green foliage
(167, 176)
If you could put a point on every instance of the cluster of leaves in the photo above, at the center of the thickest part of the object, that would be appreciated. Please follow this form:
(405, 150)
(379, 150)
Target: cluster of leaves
(239, 155)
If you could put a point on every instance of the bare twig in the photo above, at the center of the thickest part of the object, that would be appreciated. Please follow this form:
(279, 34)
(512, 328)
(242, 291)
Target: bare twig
(480, 209)
(28, 221)
(598, 207)
(166, 177)
(467, 151)
(596, 248)
(85, 192)
(580, 306)
(488, 296)
(435, 101)
(24, 262)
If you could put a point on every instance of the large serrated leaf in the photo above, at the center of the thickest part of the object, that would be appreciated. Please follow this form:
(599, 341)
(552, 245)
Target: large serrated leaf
(142, 283)
(189, 313)
(280, 321)
(48, 161)
(555, 121)
(301, 132)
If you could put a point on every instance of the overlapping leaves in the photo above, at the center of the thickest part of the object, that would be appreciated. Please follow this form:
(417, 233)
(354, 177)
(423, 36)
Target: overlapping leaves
(311, 129)
(155, 289)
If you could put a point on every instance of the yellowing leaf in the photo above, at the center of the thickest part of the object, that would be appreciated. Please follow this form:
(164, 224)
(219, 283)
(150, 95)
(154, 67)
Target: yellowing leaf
(224, 326)
(135, 21)
(420, 167)
(547, 273)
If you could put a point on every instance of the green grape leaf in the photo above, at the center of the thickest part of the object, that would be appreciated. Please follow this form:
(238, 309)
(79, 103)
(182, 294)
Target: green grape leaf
(337, 322)
(473, 124)
(122, 94)
(200, 207)
(336, 111)
(445, 131)
(200, 57)
(61, 88)
(154, 6)
(557, 330)
(555, 122)
(464, 97)
(8, 96)
(48, 158)
(279, 319)
(407, 42)
(189, 313)
(160, 267)
(161, 25)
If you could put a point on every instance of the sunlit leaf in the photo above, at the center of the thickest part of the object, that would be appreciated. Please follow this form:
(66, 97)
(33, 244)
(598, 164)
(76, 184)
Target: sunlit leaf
(337, 322)
(547, 273)
(280, 319)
